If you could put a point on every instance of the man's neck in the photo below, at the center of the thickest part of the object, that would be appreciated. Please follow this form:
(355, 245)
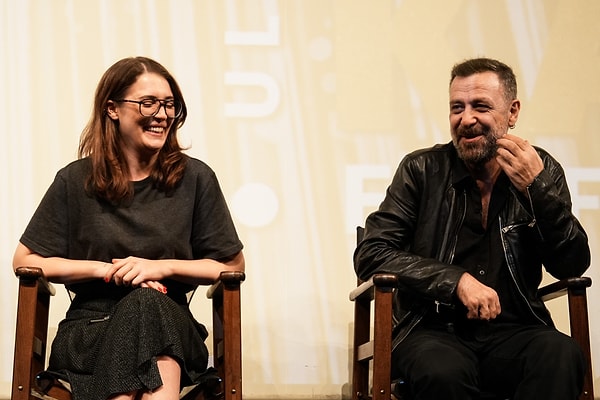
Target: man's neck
(485, 176)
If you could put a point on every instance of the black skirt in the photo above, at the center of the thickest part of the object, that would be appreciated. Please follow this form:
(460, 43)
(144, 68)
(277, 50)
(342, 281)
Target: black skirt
(109, 346)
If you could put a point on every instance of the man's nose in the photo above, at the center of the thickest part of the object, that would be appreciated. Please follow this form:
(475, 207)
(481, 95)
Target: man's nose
(468, 117)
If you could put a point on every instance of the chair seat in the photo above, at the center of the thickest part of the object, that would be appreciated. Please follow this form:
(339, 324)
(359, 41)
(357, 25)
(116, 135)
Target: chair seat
(52, 386)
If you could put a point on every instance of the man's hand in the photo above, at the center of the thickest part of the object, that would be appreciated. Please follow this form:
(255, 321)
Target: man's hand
(519, 161)
(482, 301)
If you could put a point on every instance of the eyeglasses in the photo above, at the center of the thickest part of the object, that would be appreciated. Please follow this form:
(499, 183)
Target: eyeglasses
(151, 107)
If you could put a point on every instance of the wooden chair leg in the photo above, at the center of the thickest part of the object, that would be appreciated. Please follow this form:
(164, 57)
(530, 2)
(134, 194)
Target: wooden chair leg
(580, 331)
(382, 343)
(227, 339)
(31, 331)
(374, 348)
(360, 366)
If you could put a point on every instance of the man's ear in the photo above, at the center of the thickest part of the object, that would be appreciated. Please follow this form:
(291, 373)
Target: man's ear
(111, 110)
(515, 107)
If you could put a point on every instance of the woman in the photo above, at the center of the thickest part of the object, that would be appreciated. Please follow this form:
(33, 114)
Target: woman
(130, 228)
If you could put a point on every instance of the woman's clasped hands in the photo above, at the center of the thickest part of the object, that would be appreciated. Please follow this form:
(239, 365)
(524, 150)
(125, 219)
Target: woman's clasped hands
(135, 272)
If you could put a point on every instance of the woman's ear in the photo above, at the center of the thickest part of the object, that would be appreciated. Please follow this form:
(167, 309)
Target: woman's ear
(111, 110)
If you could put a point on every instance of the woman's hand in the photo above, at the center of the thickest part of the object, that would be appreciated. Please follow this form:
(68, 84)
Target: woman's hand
(154, 285)
(134, 271)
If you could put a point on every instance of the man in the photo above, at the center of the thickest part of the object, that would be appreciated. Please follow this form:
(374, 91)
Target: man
(467, 226)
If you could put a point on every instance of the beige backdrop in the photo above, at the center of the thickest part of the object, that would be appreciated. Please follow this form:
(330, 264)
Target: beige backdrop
(303, 108)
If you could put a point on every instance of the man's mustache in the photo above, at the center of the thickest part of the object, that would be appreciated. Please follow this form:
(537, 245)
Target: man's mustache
(472, 132)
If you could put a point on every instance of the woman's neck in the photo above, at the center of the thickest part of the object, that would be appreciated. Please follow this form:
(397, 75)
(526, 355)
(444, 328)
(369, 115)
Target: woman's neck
(140, 166)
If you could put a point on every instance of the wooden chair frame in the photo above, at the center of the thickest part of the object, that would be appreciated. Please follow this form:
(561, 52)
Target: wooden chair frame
(32, 333)
(376, 347)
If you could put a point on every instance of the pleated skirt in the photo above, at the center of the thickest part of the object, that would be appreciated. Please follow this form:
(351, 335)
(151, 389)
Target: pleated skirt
(109, 346)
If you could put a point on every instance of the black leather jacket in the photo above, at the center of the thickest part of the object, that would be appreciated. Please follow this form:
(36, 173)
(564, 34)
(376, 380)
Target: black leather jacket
(413, 234)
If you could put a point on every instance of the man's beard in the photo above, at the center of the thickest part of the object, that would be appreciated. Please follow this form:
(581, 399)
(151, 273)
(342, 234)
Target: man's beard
(476, 153)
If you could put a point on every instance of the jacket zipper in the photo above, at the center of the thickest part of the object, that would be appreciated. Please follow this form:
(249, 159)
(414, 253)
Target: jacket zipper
(450, 257)
(457, 228)
(105, 318)
(511, 269)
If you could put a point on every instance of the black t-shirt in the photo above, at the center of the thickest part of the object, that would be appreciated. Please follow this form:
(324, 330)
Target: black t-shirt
(191, 223)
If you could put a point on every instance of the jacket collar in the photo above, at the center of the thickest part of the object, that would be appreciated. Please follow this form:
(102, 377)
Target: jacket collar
(460, 177)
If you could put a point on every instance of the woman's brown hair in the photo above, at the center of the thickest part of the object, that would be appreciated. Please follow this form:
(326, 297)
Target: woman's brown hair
(100, 139)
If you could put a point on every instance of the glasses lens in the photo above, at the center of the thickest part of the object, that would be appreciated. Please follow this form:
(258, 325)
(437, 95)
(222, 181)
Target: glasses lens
(175, 109)
(151, 107)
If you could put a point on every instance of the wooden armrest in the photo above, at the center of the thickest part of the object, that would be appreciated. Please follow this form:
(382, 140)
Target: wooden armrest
(227, 279)
(381, 281)
(32, 274)
(560, 288)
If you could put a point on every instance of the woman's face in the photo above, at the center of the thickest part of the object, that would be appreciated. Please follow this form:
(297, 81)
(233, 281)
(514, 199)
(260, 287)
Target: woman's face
(142, 136)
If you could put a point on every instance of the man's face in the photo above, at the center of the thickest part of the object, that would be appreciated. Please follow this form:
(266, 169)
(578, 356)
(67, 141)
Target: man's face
(479, 114)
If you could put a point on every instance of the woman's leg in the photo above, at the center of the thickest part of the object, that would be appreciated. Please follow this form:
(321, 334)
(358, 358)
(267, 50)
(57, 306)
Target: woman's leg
(170, 373)
(124, 396)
